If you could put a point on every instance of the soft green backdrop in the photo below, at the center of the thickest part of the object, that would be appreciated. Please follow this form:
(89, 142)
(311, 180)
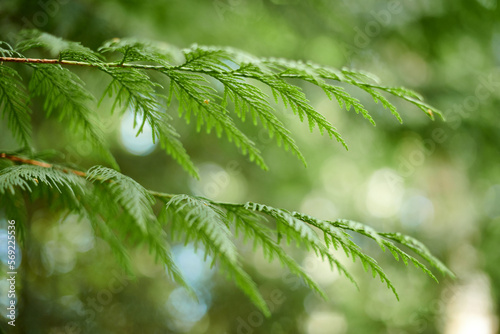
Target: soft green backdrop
(437, 181)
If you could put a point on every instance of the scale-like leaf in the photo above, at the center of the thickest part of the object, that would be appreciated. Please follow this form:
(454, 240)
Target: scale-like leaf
(14, 105)
(134, 199)
(25, 177)
(248, 98)
(134, 50)
(419, 249)
(63, 49)
(66, 95)
(302, 233)
(120, 209)
(207, 224)
(133, 89)
(251, 225)
(196, 97)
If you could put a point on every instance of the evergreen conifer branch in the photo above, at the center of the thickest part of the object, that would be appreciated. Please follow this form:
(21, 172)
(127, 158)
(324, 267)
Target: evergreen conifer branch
(225, 65)
(204, 221)
(122, 211)
(195, 96)
(249, 98)
(253, 228)
(65, 50)
(200, 221)
(25, 177)
(420, 249)
(65, 93)
(89, 194)
(14, 103)
(130, 194)
(133, 89)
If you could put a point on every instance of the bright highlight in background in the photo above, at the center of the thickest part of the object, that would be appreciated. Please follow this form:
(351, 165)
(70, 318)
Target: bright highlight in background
(184, 310)
(193, 266)
(416, 210)
(471, 310)
(384, 197)
(137, 145)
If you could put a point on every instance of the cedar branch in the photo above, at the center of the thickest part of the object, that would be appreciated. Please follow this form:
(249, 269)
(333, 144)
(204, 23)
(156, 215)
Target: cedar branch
(27, 161)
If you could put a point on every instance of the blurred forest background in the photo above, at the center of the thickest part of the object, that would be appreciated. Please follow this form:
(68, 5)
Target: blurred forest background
(437, 181)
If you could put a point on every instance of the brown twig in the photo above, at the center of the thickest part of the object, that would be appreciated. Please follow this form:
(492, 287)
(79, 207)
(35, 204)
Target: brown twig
(14, 158)
(77, 63)
(27, 161)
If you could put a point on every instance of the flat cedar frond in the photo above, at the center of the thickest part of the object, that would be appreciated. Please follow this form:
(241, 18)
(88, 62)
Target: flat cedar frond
(331, 232)
(195, 96)
(419, 249)
(302, 233)
(250, 99)
(381, 239)
(66, 95)
(65, 50)
(350, 249)
(134, 90)
(6, 50)
(316, 75)
(203, 217)
(207, 224)
(133, 50)
(202, 58)
(169, 141)
(131, 195)
(203, 81)
(293, 97)
(19, 180)
(26, 177)
(235, 70)
(132, 220)
(251, 224)
(14, 103)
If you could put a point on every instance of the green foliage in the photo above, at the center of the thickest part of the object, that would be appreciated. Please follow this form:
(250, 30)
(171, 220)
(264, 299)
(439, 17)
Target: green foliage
(128, 193)
(65, 93)
(201, 221)
(249, 98)
(134, 90)
(64, 50)
(195, 96)
(144, 51)
(25, 177)
(14, 104)
(122, 211)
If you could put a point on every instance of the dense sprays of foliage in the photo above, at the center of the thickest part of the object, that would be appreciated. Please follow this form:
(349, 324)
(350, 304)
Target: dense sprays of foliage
(212, 87)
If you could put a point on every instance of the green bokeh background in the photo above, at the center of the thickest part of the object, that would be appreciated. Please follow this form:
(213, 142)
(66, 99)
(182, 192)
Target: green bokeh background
(437, 181)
